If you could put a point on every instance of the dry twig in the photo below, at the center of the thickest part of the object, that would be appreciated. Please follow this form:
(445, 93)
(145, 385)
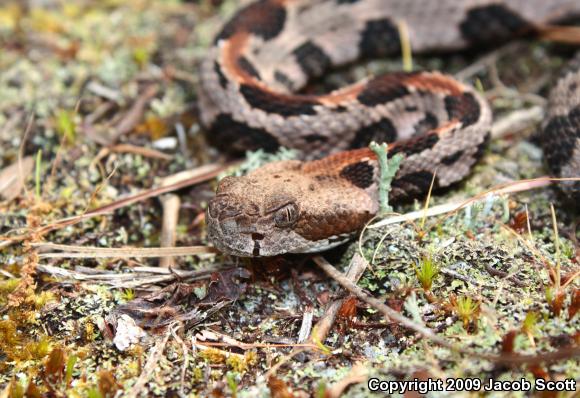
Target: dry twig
(170, 204)
(135, 114)
(355, 270)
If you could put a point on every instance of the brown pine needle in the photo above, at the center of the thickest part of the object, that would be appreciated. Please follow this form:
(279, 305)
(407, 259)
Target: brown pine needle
(139, 150)
(427, 201)
(557, 244)
(560, 34)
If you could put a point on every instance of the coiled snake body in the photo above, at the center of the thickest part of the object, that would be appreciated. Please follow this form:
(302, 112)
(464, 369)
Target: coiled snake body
(270, 49)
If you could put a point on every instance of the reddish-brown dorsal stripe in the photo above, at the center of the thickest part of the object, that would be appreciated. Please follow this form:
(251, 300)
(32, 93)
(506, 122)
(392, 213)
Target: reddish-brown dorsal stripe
(232, 51)
(434, 82)
(343, 95)
(335, 163)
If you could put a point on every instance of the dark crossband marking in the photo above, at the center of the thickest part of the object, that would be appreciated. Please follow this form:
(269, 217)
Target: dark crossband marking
(360, 174)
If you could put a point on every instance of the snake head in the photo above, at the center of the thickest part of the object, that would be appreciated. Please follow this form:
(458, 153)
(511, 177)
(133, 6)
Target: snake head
(254, 216)
(279, 209)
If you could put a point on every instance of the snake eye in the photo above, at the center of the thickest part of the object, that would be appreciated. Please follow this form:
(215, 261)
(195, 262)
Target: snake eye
(286, 216)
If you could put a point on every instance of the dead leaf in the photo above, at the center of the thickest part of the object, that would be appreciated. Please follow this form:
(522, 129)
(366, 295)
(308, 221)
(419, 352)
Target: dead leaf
(558, 302)
(32, 391)
(159, 309)
(507, 344)
(108, 386)
(178, 301)
(348, 309)
(53, 373)
(357, 374)
(574, 305)
(226, 285)
(12, 178)
(538, 371)
(279, 388)
(519, 222)
(346, 313)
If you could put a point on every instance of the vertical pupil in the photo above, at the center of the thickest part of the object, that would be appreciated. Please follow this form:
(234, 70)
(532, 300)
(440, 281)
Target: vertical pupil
(286, 215)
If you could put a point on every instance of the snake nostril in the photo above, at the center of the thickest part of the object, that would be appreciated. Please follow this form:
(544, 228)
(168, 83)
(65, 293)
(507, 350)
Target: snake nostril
(257, 236)
(230, 212)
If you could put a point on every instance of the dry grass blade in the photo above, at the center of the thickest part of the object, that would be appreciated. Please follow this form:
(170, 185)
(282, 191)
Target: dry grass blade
(184, 353)
(135, 114)
(517, 121)
(503, 189)
(70, 251)
(560, 34)
(387, 311)
(138, 150)
(170, 204)
(320, 331)
(487, 60)
(127, 280)
(357, 374)
(200, 174)
(557, 244)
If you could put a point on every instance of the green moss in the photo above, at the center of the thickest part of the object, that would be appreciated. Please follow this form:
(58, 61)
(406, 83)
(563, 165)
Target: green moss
(426, 272)
(467, 310)
(7, 287)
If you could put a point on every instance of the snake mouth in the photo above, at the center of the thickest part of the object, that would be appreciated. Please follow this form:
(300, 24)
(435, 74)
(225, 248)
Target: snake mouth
(257, 236)
(256, 250)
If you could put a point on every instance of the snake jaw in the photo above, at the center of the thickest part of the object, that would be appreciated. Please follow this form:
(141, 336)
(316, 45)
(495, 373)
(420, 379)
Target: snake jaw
(244, 237)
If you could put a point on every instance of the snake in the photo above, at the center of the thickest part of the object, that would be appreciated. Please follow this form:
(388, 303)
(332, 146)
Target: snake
(252, 95)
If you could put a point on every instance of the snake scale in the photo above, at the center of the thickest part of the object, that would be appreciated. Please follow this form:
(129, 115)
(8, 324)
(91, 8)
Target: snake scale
(269, 51)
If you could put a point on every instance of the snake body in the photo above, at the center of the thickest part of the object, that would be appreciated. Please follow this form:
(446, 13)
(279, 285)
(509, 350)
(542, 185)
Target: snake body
(270, 50)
